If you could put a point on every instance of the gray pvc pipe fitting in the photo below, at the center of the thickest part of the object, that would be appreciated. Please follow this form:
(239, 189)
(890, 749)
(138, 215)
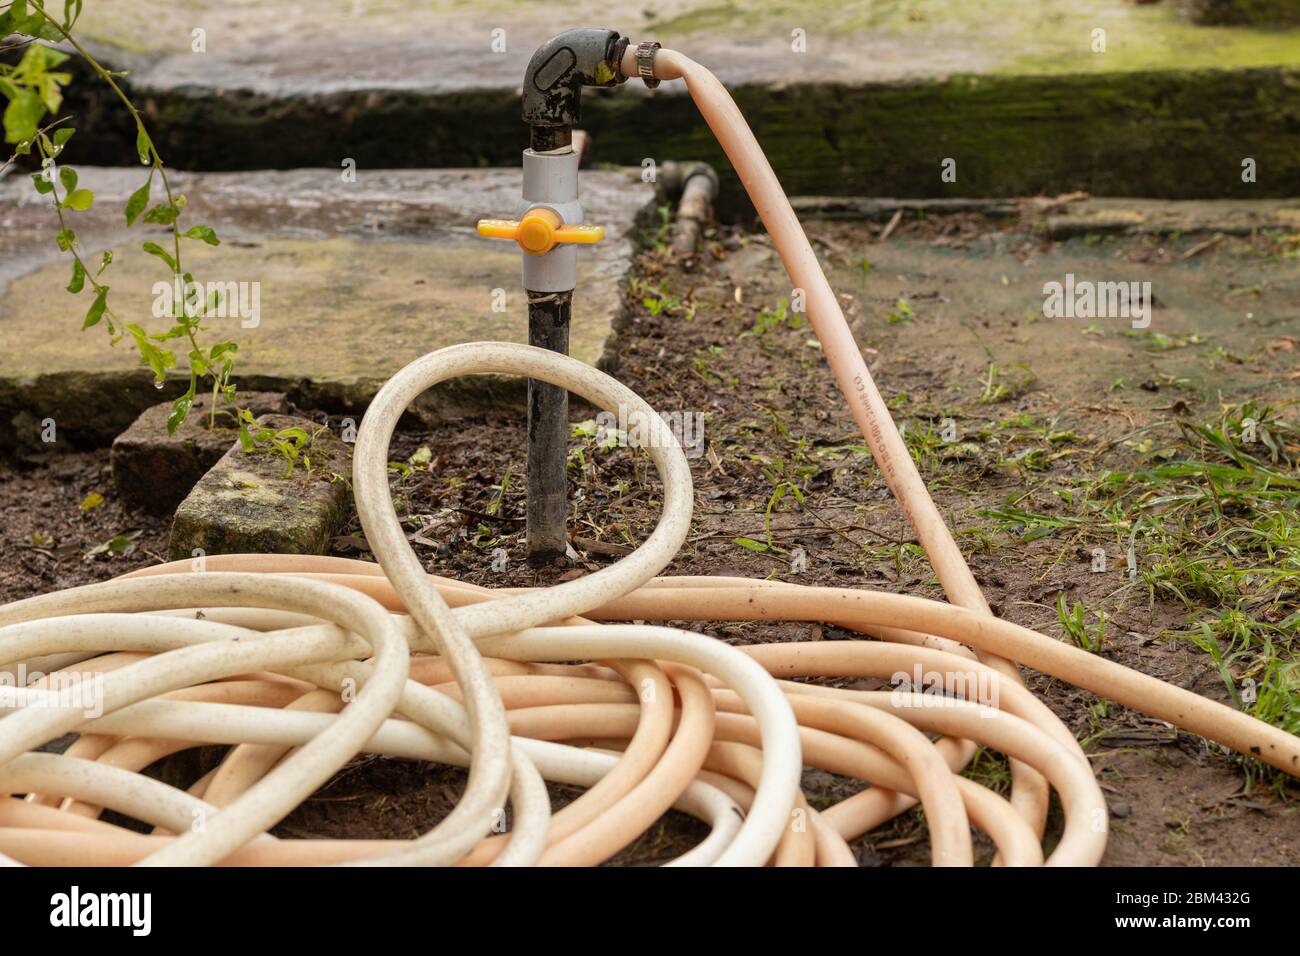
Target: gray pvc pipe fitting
(551, 182)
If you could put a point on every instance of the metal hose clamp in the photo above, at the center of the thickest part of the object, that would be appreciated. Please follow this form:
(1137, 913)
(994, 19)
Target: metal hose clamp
(645, 62)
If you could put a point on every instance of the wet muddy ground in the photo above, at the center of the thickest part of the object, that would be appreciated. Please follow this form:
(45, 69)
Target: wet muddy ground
(1014, 418)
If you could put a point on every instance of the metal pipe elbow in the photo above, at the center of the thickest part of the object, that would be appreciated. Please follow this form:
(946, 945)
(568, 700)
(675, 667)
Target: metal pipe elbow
(562, 66)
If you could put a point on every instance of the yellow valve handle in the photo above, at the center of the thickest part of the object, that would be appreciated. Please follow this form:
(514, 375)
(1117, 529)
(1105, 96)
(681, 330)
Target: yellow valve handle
(539, 231)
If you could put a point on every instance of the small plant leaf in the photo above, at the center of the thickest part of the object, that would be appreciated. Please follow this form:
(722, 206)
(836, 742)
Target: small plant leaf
(156, 250)
(138, 201)
(78, 277)
(80, 200)
(143, 145)
(180, 410)
(205, 233)
(96, 310)
(22, 117)
(164, 214)
(159, 360)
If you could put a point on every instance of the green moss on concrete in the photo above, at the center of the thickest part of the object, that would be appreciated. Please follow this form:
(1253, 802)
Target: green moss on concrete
(1010, 88)
(925, 37)
(846, 40)
(1160, 135)
(1252, 12)
(1166, 134)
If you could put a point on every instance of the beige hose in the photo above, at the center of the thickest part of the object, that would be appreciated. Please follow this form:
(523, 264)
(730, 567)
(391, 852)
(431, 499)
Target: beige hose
(844, 357)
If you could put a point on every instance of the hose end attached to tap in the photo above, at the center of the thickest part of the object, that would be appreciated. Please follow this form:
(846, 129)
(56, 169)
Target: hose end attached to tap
(645, 62)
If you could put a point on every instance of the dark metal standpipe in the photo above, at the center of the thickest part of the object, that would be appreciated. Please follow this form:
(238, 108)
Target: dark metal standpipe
(548, 430)
(551, 101)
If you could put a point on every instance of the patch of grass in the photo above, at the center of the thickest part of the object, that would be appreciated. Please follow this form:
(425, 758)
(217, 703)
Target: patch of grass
(1002, 384)
(1031, 459)
(925, 444)
(780, 316)
(1211, 518)
(498, 499)
(902, 313)
(702, 366)
(657, 300)
(1160, 342)
(1074, 624)
(1028, 525)
(990, 769)
(1219, 520)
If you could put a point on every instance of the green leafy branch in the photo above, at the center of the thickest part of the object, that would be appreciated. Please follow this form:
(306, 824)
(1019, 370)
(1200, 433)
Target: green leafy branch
(34, 88)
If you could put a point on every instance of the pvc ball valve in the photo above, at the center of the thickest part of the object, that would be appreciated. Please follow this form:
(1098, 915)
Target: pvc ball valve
(540, 231)
(547, 221)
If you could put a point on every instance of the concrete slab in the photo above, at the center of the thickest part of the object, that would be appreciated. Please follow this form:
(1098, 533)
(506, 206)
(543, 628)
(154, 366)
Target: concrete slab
(340, 45)
(1136, 216)
(1224, 324)
(1069, 216)
(847, 97)
(353, 281)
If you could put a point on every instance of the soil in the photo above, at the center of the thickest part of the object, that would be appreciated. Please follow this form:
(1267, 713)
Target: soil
(771, 422)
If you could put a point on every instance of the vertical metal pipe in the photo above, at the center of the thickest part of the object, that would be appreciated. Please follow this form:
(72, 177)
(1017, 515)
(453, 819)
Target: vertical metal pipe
(552, 92)
(548, 431)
